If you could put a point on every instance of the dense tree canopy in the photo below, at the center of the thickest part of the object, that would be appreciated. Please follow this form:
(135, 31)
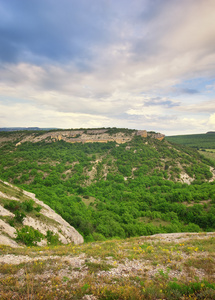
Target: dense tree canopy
(107, 190)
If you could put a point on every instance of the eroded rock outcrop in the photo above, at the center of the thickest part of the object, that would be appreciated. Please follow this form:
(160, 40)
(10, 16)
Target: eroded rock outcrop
(51, 221)
(89, 136)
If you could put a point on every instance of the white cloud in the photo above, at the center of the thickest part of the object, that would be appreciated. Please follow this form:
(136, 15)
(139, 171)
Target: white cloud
(144, 59)
(212, 121)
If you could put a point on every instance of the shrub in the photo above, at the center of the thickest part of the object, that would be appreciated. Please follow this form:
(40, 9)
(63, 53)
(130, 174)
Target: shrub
(29, 236)
(11, 221)
(38, 208)
(12, 205)
(19, 216)
(28, 205)
(52, 238)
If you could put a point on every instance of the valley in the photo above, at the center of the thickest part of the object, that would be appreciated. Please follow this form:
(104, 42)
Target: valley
(141, 186)
(143, 206)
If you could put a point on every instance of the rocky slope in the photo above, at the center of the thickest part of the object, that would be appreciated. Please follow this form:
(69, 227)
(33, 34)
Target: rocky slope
(36, 214)
(78, 136)
(170, 266)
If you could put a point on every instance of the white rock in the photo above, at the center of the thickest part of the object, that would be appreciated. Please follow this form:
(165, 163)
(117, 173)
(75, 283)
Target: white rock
(5, 227)
(5, 212)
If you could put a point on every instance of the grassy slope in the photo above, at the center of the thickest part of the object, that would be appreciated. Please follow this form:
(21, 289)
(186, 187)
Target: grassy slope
(205, 142)
(180, 266)
(209, 154)
(202, 141)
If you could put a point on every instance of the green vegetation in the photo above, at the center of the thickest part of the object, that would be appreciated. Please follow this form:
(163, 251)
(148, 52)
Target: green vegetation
(52, 238)
(107, 190)
(198, 141)
(148, 268)
(29, 236)
(19, 209)
(208, 153)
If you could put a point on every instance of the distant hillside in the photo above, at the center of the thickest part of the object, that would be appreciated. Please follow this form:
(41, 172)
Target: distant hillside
(112, 182)
(102, 135)
(198, 141)
(23, 128)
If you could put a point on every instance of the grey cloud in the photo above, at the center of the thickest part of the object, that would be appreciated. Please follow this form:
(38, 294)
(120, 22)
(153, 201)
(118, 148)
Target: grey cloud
(190, 91)
(55, 30)
(181, 91)
(161, 102)
(96, 57)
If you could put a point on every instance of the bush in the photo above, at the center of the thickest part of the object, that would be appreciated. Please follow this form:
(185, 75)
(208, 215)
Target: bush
(28, 205)
(12, 205)
(98, 236)
(11, 221)
(52, 238)
(19, 216)
(29, 236)
(38, 208)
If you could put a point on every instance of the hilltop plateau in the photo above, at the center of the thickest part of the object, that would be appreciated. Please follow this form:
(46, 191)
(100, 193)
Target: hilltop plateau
(102, 135)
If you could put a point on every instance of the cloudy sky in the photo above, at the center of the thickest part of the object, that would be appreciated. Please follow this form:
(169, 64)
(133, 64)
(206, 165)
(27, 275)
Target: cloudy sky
(143, 64)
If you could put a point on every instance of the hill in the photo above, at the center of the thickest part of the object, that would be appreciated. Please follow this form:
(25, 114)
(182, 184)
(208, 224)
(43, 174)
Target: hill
(102, 135)
(198, 141)
(24, 128)
(204, 143)
(26, 220)
(168, 266)
(113, 182)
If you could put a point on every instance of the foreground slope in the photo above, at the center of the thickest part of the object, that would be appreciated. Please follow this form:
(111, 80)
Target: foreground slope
(169, 266)
(26, 220)
(113, 182)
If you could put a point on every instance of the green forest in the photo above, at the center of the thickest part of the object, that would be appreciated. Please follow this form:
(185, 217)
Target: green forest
(109, 190)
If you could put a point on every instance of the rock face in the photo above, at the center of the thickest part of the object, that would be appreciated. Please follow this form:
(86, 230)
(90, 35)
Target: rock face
(66, 232)
(50, 221)
(86, 136)
(154, 135)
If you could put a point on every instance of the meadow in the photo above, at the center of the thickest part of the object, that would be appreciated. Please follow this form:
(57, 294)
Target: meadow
(175, 266)
(198, 141)
(208, 153)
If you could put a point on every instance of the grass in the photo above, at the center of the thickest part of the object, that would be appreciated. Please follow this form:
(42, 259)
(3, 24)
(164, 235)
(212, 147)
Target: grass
(205, 141)
(13, 192)
(94, 267)
(208, 153)
(155, 222)
(135, 268)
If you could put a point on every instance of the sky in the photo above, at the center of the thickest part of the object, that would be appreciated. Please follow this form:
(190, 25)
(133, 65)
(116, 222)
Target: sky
(140, 64)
